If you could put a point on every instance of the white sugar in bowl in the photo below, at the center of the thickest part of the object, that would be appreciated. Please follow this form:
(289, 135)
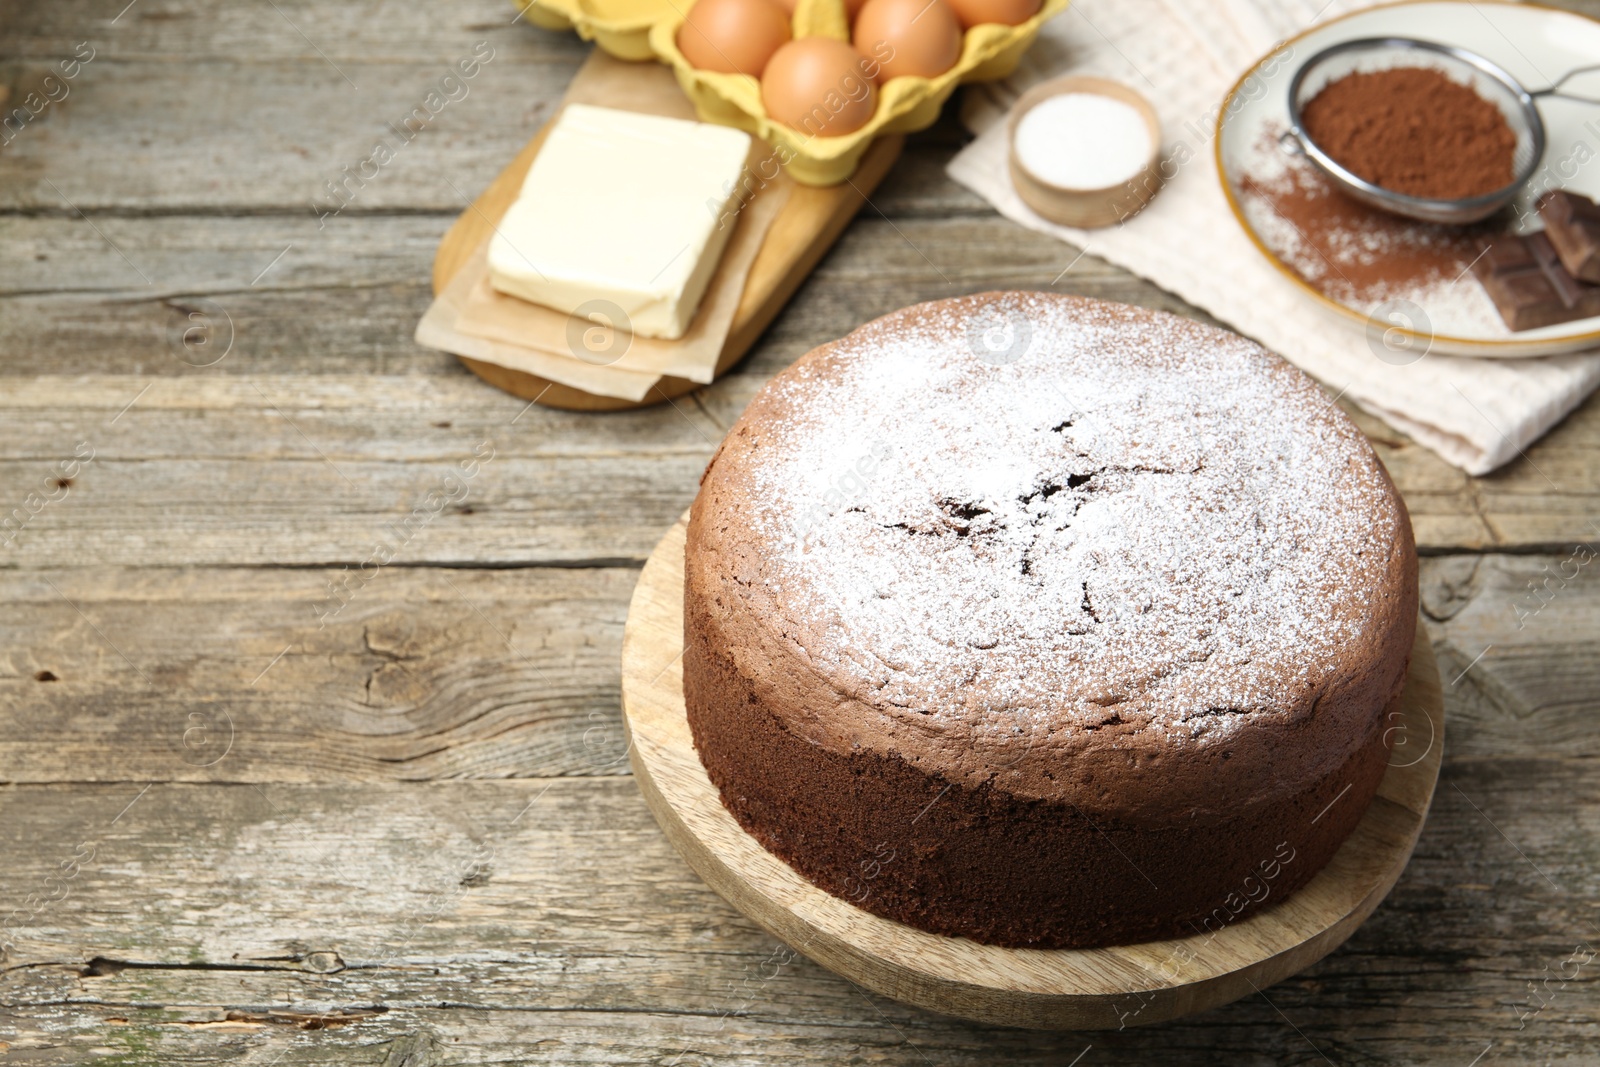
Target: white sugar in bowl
(1084, 151)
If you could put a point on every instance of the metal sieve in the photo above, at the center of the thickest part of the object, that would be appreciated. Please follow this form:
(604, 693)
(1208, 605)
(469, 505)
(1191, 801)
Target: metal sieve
(1487, 79)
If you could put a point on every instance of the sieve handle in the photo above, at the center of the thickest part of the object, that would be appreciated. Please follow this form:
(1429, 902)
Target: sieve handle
(1554, 89)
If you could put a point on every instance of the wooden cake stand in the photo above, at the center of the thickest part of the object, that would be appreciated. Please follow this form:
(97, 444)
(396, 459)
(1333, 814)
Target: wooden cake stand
(1105, 988)
(810, 222)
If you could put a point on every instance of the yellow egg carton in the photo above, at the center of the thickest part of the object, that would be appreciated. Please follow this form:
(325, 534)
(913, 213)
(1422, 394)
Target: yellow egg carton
(988, 52)
(621, 27)
(646, 29)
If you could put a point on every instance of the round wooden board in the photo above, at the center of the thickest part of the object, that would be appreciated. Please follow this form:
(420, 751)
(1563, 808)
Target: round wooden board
(1106, 988)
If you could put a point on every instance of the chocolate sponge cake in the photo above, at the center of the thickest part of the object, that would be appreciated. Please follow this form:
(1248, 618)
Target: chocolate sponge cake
(1047, 621)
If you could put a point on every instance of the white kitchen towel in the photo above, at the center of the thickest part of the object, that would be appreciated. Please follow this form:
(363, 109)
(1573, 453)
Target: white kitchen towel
(1183, 55)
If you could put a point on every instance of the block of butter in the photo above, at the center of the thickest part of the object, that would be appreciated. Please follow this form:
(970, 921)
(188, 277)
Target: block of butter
(622, 211)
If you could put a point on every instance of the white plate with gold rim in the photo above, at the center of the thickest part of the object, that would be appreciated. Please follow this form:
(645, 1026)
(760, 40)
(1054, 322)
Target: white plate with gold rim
(1449, 315)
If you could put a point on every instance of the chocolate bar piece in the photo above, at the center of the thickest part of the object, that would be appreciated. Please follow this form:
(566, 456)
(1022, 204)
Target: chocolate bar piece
(1573, 223)
(1525, 279)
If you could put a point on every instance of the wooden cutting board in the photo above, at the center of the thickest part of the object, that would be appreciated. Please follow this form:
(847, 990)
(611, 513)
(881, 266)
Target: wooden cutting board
(1106, 988)
(811, 221)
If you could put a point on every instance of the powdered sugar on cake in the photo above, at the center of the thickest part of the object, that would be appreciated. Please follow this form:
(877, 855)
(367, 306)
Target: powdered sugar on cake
(1055, 512)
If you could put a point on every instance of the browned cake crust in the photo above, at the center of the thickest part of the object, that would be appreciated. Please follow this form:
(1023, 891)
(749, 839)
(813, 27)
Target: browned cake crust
(1047, 621)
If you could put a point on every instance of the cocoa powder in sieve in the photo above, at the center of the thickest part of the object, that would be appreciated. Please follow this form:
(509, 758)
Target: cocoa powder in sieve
(1413, 130)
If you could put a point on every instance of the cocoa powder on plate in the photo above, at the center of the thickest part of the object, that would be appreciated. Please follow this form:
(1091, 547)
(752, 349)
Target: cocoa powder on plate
(1356, 253)
(1413, 130)
(1349, 252)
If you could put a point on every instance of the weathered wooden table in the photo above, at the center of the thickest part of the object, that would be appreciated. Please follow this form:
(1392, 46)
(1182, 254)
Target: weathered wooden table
(271, 799)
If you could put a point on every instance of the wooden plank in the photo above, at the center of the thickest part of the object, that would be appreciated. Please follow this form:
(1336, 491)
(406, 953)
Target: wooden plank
(430, 673)
(258, 33)
(549, 922)
(216, 470)
(346, 297)
(1530, 505)
(245, 470)
(118, 262)
(310, 675)
(1516, 642)
(1544, 500)
(468, 143)
(64, 273)
(342, 301)
(138, 138)
(395, 46)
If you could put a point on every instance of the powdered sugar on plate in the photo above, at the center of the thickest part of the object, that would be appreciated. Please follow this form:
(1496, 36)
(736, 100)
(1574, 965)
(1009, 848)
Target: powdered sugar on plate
(1062, 507)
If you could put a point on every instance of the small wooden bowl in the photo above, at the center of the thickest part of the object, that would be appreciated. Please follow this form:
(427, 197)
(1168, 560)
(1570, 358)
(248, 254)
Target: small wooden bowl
(1086, 208)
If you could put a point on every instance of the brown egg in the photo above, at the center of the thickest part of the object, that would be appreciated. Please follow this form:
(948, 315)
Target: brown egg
(820, 86)
(733, 36)
(1006, 12)
(920, 37)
